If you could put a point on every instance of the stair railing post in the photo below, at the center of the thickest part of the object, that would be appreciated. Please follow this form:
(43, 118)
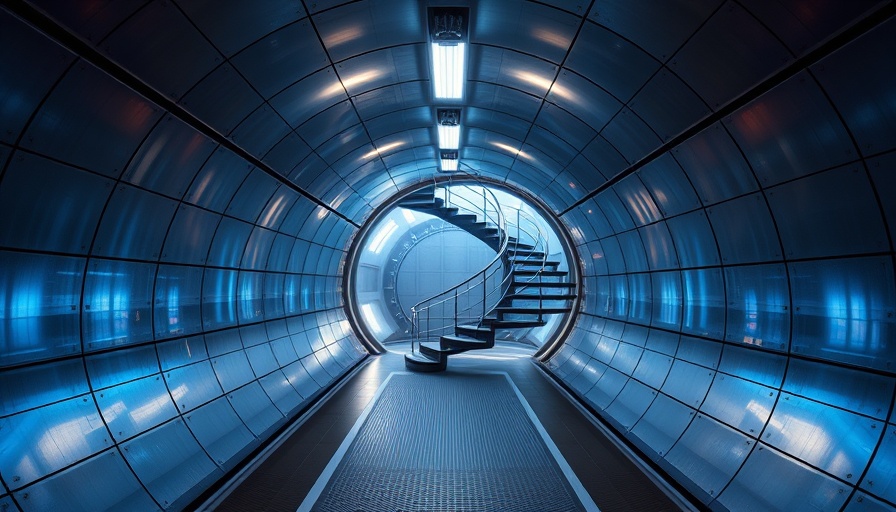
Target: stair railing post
(413, 327)
(455, 307)
(427, 323)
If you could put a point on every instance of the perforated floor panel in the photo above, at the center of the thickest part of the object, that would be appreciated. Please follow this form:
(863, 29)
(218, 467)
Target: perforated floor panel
(439, 443)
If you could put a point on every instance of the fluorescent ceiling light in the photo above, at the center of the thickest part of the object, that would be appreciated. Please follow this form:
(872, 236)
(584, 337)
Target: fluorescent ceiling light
(448, 70)
(449, 137)
(449, 164)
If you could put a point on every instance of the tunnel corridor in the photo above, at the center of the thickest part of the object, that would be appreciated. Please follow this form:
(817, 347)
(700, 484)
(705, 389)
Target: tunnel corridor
(181, 183)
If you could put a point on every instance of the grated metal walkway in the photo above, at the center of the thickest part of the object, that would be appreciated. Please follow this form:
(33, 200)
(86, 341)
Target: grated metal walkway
(448, 442)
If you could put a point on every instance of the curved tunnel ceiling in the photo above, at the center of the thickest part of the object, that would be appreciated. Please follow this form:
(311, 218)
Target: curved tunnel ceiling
(725, 167)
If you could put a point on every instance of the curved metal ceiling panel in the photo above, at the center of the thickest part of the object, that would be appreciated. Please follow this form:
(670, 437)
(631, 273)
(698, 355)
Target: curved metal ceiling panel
(232, 26)
(524, 26)
(348, 30)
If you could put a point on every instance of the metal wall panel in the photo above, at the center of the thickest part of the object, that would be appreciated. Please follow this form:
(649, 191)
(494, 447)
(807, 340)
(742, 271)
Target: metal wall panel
(845, 310)
(219, 298)
(626, 358)
(117, 303)
(859, 88)
(178, 295)
(740, 403)
(284, 351)
(300, 379)
(688, 382)
(664, 342)
(113, 368)
(37, 207)
(279, 390)
(630, 404)
(315, 370)
(715, 165)
(662, 424)
(250, 297)
(90, 120)
(653, 368)
(668, 105)
(709, 454)
(258, 247)
(262, 359)
(135, 407)
(590, 374)
(606, 389)
(702, 352)
(30, 387)
(881, 476)
(50, 438)
(40, 310)
(222, 99)
(638, 201)
(255, 409)
(770, 480)
(233, 370)
(833, 213)
(252, 196)
(862, 502)
(280, 251)
(715, 63)
(221, 432)
(703, 313)
(802, 132)
(639, 302)
(694, 240)
(754, 365)
(814, 433)
(666, 300)
(744, 230)
(658, 244)
(176, 353)
(252, 335)
(134, 224)
(846, 388)
(218, 180)
(193, 385)
(273, 296)
(35, 66)
(229, 243)
(633, 251)
(170, 464)
(223, 342)
(669, 186)
(169, 158)
(103, 482)
(190, 235)
(758, 310)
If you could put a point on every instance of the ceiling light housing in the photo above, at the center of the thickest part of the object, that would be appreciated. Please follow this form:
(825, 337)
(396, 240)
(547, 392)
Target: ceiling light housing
(449, 128)
(448, 34)
(448, 161)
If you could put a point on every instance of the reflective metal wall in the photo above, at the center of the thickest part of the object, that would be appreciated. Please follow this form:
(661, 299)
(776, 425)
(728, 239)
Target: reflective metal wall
(740, 324)
(164, 306)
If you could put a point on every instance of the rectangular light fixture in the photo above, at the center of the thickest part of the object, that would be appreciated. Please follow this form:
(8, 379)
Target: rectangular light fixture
(448, 160)
(448, 60)
(449, 137)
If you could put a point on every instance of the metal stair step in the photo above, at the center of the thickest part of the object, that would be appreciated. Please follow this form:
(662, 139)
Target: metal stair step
(544, 273)
(457, 344)
(436, 351)
(535, 262)
(478, 332)
(542, 297)
(416, 361)
(517, 324)
(546, 284)
(508, 310)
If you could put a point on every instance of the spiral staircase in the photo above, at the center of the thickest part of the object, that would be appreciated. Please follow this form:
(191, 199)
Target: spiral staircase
(517, 290)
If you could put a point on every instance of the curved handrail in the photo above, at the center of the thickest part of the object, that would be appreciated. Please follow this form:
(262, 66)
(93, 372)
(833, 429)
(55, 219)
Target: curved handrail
(452, 292)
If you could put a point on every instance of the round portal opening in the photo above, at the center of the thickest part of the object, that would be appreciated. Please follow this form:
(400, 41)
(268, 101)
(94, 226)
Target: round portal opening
(450, 254)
